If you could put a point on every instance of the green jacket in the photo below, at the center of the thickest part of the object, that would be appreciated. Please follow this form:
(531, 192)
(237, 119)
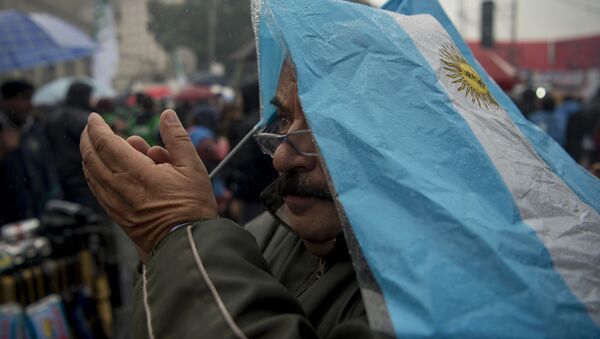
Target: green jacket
(216, 279)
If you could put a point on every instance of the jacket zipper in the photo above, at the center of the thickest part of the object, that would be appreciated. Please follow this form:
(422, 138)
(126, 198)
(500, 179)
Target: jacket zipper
(321, 268)
(318, 274)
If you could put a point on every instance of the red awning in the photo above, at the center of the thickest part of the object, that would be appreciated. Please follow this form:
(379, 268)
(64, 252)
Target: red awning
(505, 74)
(541, 56)
(194, 94)
(158, 92)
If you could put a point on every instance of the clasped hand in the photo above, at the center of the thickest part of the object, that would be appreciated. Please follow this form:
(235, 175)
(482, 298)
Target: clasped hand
(147, 190)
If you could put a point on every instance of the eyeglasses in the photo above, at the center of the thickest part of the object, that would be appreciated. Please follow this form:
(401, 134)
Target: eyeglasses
(300, 140)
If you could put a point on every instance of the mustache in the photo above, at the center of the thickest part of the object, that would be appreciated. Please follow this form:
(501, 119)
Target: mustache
(293, 183)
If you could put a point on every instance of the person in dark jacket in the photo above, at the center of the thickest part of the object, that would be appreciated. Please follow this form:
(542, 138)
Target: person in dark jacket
(286, 275)
(211, 148)
(27, 176)
(64, 129)
(250, 171)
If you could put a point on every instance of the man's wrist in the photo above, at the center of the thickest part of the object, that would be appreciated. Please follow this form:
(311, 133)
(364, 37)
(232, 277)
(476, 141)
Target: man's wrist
(176, 227)
(153, 240)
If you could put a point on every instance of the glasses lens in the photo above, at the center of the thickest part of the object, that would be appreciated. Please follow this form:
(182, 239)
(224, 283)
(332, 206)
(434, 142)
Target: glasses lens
(301, 141)
(268, 142)
(279, 125)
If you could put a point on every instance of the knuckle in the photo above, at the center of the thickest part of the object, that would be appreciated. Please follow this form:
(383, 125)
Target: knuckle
(86, 159)
(182, 137)
(129, 218)
(101, 144)
(135, 203)
(135, 189)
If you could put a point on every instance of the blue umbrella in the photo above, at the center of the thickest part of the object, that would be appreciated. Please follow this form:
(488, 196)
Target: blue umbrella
(35, 39)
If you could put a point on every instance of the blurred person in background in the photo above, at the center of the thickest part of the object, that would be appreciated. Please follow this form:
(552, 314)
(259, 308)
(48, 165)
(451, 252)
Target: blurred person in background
(572, 113)
(27, 176)
(205, 115)
(527, 102)
(64, 128)
(545, 118)
(563, 112)
(146, 119)
(211, 149)
(593, 113)
(251, 171)
(185, 108)
(582, 136)
(107, 109)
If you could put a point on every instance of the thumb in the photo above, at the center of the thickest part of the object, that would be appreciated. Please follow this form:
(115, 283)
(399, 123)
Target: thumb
(177, 141)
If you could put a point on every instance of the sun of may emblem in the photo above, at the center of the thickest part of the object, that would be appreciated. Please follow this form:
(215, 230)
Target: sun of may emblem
(466, 77)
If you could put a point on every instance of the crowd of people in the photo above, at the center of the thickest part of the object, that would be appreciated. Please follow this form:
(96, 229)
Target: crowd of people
(40, 158)
(39, 146)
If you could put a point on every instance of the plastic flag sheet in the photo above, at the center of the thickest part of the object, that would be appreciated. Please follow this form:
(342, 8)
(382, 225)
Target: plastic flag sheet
(463, 219)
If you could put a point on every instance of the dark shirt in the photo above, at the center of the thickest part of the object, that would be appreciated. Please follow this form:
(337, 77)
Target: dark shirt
(28, 179)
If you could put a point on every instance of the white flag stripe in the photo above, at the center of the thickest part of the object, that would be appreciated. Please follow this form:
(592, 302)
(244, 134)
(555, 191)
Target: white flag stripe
(545, 202)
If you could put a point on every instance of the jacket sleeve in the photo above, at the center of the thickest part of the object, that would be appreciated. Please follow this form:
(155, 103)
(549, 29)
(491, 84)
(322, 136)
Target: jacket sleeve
(209, 280)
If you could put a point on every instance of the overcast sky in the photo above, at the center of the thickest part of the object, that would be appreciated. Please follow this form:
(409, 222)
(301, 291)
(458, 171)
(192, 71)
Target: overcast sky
(536, 19)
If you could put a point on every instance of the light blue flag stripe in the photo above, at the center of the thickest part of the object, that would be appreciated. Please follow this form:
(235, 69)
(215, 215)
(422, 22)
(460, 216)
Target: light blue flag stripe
(578, 179)
(450, 263)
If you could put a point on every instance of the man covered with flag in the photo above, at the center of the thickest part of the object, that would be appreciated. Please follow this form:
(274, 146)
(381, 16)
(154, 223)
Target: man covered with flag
(413, 200)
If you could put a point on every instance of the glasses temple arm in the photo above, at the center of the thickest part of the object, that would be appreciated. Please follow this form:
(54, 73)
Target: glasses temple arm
(231, 154)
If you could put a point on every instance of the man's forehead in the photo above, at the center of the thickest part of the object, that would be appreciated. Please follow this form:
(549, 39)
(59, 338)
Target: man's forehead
(287, 88)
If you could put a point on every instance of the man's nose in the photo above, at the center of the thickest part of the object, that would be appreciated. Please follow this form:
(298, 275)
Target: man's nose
(287, 158)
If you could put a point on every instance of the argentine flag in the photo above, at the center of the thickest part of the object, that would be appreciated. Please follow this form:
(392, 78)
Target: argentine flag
(463, 220)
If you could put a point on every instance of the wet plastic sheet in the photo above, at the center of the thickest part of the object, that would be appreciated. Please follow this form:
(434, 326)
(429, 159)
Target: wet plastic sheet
(457, 225)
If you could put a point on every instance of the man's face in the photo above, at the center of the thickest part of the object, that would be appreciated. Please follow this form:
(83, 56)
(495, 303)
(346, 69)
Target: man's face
(313, 216)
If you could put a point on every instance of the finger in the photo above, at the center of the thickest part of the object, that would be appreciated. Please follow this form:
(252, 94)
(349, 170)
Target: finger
(94, 167)
(114, 151)
(159, 155)
(90, 160)
(177, 141)
(139, 144)
(85, 145)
